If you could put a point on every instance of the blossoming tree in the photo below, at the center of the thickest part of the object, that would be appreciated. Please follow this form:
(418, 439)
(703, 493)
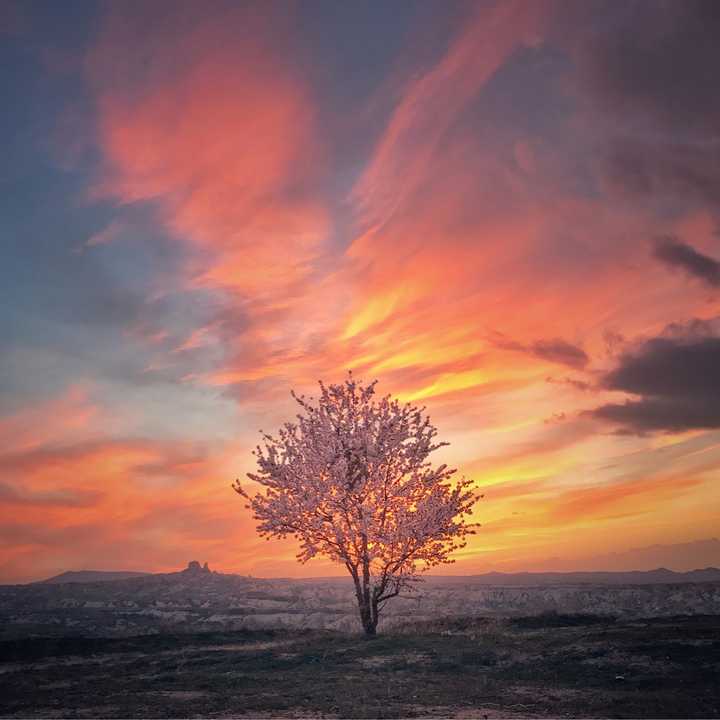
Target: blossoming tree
(351, 480)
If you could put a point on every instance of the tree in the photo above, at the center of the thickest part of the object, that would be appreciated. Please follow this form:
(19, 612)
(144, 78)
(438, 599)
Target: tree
(351, 481)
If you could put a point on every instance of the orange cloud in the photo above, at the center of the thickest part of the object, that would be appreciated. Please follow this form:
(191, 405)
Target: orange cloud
(635, 497)
(73, 495)
(29, 428)
(532, 522)
(205, 119)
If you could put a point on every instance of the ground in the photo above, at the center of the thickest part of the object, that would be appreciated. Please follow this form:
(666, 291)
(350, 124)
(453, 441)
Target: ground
(551, 665)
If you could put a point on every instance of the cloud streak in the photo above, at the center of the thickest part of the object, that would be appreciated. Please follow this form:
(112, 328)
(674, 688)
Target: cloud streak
(554, 350)
(679, 255)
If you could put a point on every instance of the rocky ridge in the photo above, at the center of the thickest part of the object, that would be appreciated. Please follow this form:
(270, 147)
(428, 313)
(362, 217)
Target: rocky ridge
(197, 599)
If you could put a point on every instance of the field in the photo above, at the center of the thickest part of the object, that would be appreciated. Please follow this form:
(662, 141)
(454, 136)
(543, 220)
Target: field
(540, 666)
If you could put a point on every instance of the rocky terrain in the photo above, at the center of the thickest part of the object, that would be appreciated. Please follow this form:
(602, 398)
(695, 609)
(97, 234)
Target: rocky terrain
(199, 600)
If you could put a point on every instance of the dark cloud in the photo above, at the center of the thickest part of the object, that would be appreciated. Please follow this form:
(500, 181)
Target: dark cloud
(683, 170)
(613, 342)
(668, 367)
(677, 254)
(649, 69)
(554, 350)
(677, 384)
(561, 352)
(658, 59)
(570, 382)
(659, 415)
(697, 328)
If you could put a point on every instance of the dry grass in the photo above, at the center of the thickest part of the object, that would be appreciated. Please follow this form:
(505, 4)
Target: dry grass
(573, 666)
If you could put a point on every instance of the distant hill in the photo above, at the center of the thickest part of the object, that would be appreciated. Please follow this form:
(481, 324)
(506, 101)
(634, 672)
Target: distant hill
(530, 579)
(680, 557)
(634, 577)
(90, 576)
(641, 566)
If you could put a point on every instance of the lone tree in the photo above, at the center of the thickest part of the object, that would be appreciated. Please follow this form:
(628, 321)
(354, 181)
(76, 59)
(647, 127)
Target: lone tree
(351, 481)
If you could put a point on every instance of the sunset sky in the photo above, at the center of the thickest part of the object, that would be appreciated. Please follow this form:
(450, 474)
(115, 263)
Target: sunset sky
(504, 211)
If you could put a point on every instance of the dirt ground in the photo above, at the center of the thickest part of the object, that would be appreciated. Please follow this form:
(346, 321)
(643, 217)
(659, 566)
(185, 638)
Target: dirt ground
(546, 666)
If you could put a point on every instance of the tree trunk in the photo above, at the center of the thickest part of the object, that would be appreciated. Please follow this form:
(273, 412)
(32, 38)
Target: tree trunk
(367, 602)
(368, 618)
(368, 610)
(368, 606)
